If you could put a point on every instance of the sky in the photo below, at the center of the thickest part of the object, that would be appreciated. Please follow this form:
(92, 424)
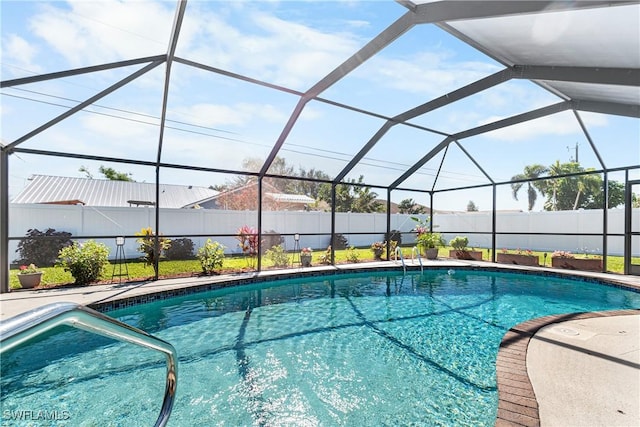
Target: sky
(215, 121)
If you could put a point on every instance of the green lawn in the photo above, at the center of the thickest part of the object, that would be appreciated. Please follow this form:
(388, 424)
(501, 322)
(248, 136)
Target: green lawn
(55, 276)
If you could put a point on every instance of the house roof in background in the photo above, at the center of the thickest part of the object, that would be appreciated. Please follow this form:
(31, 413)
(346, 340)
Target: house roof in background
(291, 198)
(102, 192)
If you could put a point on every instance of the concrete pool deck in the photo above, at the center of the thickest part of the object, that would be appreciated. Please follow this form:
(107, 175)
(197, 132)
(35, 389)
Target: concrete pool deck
(579, 369)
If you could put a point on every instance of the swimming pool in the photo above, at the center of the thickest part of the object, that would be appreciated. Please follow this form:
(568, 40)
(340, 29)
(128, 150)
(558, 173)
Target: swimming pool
(356, 349)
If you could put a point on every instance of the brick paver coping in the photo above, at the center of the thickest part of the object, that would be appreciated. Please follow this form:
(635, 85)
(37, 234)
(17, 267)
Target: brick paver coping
(517, 404)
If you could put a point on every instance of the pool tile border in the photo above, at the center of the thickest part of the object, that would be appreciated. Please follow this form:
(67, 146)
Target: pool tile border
(251, 278)
(517, 404)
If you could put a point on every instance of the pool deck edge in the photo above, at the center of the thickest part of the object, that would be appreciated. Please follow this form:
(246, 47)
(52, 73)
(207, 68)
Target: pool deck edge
(517, 402)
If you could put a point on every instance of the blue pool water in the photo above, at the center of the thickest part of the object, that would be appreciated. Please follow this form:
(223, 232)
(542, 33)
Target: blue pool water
(353, 350)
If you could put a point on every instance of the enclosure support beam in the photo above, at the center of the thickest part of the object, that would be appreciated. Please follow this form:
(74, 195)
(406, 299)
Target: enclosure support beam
(283, 135)
(509, 121)
(449, 98)
(588, 136)
(627, 223)
(260, 224)
(430, 211)
(596, 75)
(171, 51)
(388, 235)
(474, 161)
(4, 221)
(605, 220)
(78, 71)
(605, 203)
(613, 108)
(444, 11)
(494, 222)
(333, 224)
(84, 104)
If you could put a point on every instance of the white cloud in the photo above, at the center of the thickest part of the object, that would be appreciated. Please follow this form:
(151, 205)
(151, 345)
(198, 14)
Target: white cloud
(116, 129)
(265, 47)
(88, 33)
(558, 124)
(21, 53)
(237, 115)
(431, 73)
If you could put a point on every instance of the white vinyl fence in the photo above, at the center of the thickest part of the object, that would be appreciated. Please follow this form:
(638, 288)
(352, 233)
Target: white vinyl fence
(315, 227)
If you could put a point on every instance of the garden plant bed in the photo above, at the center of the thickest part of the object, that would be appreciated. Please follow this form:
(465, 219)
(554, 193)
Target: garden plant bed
(468, 255)
(585, 264)
(518, 259)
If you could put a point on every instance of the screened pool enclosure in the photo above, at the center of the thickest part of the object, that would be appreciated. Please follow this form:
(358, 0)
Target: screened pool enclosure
(514, 123)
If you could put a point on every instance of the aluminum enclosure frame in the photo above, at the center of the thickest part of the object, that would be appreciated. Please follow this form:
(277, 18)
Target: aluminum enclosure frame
(440, 13)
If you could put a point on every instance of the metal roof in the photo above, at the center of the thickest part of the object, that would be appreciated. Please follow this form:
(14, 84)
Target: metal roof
(291, 198)
(101, 192)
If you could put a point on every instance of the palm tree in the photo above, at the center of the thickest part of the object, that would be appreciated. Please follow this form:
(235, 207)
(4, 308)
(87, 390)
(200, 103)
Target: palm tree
(553, 186)
(530, 172)
(587, 184)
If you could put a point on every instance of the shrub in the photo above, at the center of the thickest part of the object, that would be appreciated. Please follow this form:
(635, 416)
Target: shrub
(459, 243)
(147, 245)
(392, 248)
(85, 261)
(340, 242)
(278, 256)
(352, 255)
(394, 236)
(42, 247)
(211, 256)
(180, 249)
(326, 257)
(247, 238)
(430, 240)
(271, 238)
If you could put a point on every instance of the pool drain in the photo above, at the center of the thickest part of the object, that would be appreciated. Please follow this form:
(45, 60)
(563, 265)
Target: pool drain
(567, 331)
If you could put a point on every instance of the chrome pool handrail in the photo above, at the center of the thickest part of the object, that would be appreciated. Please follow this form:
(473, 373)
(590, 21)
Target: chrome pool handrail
(399, 251)
(21, 328)
(416, 250)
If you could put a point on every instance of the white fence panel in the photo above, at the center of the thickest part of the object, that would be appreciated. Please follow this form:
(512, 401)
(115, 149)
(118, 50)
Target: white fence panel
(315, 227)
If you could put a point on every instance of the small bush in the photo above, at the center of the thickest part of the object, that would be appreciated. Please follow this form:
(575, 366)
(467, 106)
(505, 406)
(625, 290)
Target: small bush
(459, 243)
(271, 238)
(278, 256)
(340, 242)
(326, 257)
(180, 249)
(211, 256)
(394, 236)
(392, 248)
(42, 247)
(147, 245)
(85, 261)
(352, 255)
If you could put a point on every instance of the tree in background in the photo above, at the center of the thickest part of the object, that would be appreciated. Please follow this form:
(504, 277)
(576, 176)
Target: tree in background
(471, 206)
(309, 188)
(572, 192)
(349, 197)
(530, 172)
(616, 197)
(279, 167)
(409, 206)
(352, 198)
(108, 173)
